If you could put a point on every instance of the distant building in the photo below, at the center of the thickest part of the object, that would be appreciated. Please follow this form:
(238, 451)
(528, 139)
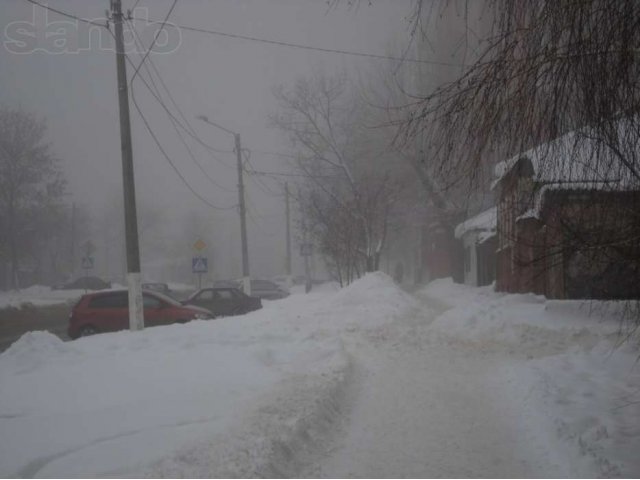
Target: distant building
(479, 243)
(563, 210)
(441, 251)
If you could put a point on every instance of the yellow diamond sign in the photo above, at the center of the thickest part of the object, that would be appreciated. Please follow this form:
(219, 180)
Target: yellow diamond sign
(199, 245)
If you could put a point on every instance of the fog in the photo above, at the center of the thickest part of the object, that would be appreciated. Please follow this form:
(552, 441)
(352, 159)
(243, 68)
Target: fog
(229, 80)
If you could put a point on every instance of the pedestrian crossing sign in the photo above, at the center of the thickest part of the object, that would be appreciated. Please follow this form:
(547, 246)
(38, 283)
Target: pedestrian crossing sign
(87, 263)
(199, 265)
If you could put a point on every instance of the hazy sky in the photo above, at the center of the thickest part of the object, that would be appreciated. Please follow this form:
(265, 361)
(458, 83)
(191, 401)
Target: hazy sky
(229, 80)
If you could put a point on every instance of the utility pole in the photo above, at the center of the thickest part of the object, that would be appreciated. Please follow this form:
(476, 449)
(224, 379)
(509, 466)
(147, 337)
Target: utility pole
(136, 312)
(243, 215)
(306, 252)
(243, 211)
(73, 240)
(288, 264)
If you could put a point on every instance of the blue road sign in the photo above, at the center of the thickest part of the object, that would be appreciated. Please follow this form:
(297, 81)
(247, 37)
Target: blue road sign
(199, 265)
(87, 263)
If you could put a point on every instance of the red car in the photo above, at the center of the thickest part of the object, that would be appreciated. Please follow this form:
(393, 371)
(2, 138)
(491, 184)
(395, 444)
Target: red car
(109, 311)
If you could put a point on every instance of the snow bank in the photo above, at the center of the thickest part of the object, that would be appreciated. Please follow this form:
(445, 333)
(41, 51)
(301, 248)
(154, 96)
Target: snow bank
(38, 295)
(375, 296)
(239, 396)
(535, 326)
(566, 367)
(278, 438)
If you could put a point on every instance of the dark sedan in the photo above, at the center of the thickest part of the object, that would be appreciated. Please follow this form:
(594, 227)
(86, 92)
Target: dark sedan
(224, 301)
(84, 283)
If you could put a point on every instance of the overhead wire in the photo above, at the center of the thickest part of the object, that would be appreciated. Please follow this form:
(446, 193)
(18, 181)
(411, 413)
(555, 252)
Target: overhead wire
(161, 148)
(68, 15)
(309, 47)
(263, 186)
(155, 39)
(259, 40)
(148, 60)
(178, 123)
(168, 159)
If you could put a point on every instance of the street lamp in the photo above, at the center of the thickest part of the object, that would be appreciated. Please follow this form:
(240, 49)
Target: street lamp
(243, 221)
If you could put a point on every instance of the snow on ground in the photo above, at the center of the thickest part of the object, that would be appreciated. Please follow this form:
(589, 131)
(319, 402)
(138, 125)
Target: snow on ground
(567, 368)
(125, 402)
(366, 381)
(39, 296)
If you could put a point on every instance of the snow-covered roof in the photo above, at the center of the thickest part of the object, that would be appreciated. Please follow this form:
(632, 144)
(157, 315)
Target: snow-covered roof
(574, 157)
(540, 194)
(484, 222)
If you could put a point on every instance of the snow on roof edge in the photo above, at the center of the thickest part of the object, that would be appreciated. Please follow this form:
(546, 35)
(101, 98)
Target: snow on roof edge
(483, 221)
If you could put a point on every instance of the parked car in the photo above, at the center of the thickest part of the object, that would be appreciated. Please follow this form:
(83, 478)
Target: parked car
(109, 311)
(283, 281)
(84, 283)
(157, 287)
(267, 290)
(299, 280)
(226, 284)
(224, 301)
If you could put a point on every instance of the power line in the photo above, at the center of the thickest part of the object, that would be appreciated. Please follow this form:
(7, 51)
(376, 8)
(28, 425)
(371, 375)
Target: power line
(165, 155)
(142, 116)
(276, 154)
(155, 39)
(282, 174)
(262, 40)
(307, 47)
(263, 186)
(138, 40)
(185, 129)
(68, 15)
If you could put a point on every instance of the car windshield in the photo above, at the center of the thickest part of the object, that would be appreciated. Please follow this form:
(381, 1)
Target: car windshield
(165, 298)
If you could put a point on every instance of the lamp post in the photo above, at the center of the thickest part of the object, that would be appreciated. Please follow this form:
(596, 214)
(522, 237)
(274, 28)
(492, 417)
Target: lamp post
(243, 221)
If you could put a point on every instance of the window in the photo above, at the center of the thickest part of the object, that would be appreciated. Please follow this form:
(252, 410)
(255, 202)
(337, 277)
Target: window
(207, 295)
(225, 294)
(151, 302)
(112, 300)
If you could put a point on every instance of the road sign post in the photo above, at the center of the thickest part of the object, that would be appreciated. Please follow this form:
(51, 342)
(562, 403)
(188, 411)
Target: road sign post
(306, 250)
(199, 265)
(87, 264)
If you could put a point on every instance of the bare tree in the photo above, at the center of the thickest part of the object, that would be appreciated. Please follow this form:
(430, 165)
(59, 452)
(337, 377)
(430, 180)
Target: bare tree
(347, 181)
(561, 76)
(547, 68)
(31, 182)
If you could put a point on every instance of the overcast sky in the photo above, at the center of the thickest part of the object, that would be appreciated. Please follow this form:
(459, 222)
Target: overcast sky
(229, 80)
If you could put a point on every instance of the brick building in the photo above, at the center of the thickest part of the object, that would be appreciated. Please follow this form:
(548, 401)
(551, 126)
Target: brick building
(568, 220)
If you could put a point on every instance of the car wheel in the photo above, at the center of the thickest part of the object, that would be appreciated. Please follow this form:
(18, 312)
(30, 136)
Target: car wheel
(88, 330)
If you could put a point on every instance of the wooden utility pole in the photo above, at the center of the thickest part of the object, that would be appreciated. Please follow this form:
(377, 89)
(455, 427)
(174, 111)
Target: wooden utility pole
(288, 214)
(243, 212)
(136, 311)
(73, 240)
